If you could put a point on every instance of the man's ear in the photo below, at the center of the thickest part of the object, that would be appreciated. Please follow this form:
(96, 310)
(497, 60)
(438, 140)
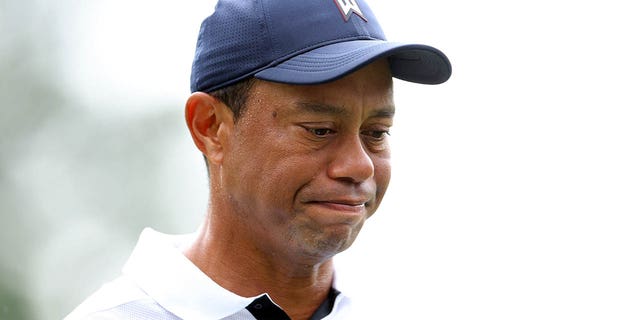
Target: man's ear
(208, 120)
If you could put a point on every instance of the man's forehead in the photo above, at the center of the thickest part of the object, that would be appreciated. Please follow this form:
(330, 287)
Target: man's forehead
(368, 91)
(294, 100)
(383, 111)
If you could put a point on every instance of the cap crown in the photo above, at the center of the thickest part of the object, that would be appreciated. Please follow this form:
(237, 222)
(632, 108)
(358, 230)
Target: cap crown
(243, 37)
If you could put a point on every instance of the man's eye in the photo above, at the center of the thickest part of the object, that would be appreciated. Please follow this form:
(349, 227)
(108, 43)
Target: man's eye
(377, 134)
(320, 132)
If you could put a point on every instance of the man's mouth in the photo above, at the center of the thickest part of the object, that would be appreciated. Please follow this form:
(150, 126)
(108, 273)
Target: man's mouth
(348, 205)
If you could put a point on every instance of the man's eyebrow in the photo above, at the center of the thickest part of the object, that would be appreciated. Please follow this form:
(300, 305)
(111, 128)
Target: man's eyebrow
(322, 108)
(384, 112)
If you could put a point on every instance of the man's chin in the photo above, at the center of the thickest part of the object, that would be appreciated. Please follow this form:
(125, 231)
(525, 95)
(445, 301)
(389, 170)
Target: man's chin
(335, 239)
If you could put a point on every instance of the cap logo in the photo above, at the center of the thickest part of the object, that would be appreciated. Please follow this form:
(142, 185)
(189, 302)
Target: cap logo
(349, 7)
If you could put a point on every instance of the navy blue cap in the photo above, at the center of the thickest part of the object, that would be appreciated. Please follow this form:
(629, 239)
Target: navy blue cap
(302, 42)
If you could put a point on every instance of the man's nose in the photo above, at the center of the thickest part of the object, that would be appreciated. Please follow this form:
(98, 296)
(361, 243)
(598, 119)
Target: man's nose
(351, 161)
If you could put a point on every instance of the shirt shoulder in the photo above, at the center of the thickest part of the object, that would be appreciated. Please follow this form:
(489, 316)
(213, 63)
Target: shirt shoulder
(122, 300)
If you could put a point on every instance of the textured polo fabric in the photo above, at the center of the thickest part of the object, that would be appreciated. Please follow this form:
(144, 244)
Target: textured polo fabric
(158, 282)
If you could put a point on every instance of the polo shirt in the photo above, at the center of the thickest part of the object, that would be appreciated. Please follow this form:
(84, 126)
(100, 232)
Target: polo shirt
(158, 282)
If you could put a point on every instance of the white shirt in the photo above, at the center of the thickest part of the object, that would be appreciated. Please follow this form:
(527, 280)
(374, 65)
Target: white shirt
(158, 282)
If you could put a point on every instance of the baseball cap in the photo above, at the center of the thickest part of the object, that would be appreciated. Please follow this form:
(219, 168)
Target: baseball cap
(302, 42)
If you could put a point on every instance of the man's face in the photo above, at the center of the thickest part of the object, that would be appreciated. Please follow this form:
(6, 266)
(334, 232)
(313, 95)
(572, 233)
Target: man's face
(307, 165)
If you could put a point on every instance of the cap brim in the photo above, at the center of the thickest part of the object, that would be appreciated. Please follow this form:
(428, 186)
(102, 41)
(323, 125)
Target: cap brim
(409, 62)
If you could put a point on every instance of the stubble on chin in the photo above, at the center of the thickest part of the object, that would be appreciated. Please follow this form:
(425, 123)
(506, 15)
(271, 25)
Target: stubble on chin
(321, 243)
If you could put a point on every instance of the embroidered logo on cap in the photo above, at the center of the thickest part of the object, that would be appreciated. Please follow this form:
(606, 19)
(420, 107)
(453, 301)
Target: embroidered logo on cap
(349, 7)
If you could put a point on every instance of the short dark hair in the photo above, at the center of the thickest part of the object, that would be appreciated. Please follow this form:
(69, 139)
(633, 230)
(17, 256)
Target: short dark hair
(235, 97)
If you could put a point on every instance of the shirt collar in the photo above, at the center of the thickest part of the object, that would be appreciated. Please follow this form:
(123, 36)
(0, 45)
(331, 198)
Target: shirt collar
(162, 271)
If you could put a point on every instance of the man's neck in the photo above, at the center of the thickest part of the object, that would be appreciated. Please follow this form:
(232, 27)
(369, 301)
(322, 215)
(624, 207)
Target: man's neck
(298, 287)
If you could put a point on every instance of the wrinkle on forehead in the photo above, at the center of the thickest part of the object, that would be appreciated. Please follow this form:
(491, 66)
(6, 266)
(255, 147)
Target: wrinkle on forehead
(339, 111)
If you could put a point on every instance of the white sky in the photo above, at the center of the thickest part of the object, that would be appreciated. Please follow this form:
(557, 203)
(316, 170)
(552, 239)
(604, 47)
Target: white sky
(516, 191)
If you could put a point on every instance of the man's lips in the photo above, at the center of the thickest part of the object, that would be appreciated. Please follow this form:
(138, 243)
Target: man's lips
(341, 205)
(338, 211)
(345, 205)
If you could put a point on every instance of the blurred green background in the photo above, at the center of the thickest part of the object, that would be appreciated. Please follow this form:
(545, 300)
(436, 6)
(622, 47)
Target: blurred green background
(79, 177)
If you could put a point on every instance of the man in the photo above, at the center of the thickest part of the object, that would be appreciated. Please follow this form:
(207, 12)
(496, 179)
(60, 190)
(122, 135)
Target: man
(292, 105)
